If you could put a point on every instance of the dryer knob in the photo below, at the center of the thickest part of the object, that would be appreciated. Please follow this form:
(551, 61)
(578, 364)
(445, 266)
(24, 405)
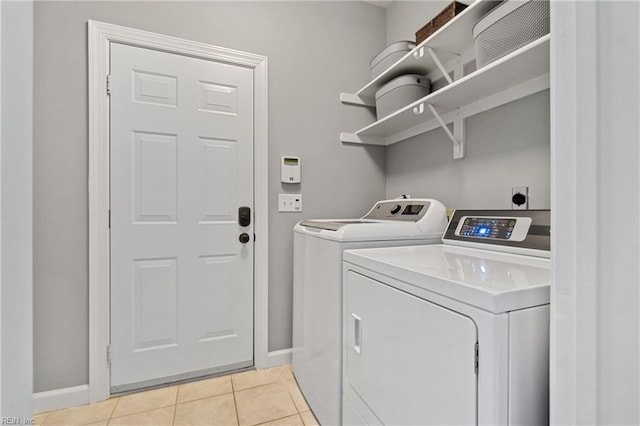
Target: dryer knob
(395, 209)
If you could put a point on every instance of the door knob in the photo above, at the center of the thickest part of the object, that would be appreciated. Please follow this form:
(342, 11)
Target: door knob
(244, 238)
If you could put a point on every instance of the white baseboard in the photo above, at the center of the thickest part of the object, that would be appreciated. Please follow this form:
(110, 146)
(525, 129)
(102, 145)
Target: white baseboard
(79, 395)
(60, 398)
(278, 358)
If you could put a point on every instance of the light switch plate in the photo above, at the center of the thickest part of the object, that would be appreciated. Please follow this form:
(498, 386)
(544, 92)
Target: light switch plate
(291, 203)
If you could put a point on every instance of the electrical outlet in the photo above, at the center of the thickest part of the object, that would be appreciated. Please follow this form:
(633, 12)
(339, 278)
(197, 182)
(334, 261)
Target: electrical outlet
(520, 198)
(290, 203)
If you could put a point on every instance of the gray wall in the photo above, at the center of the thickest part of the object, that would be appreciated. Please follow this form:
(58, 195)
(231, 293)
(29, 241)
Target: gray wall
(506, 147)
(315, 49)
(16, 236)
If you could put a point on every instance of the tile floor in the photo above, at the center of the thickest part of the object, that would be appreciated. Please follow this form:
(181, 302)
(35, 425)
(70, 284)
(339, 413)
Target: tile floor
(265, 397)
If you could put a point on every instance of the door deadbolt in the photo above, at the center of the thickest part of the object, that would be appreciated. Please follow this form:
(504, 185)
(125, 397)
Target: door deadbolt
(244, 238)
(244, 216)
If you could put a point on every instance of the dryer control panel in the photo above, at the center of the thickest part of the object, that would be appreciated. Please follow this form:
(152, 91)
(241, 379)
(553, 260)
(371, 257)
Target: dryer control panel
(514, 231)
(496, 228)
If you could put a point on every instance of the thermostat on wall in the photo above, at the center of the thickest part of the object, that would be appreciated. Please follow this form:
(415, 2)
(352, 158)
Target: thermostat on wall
(290, 170)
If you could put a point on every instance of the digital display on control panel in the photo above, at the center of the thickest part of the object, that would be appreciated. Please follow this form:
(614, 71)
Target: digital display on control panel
(484, 227)
(413, 209)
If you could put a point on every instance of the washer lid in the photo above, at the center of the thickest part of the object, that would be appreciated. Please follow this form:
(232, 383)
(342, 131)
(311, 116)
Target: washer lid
(365, 230)
(331, 225)
(401, 219)
(496, 282)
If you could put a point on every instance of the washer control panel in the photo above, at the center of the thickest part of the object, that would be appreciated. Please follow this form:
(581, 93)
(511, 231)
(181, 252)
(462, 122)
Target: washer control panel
(404, 210)
(497, 228)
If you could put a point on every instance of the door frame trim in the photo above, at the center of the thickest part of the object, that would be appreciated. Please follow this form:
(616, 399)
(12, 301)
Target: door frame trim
(100, 36)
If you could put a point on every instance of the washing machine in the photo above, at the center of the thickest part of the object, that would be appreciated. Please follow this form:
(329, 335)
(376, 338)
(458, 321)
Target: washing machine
(317, 287)
(453, 333)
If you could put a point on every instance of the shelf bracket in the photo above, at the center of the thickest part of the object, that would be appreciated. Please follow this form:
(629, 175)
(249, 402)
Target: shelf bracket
(458, 128)
(458, 134)
(441, 67)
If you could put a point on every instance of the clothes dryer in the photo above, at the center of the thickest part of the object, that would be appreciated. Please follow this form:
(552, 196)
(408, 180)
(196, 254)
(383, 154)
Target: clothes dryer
(453, 333)
(317, 281)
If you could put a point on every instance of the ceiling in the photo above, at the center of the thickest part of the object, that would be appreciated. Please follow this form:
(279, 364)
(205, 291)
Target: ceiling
(381, 3)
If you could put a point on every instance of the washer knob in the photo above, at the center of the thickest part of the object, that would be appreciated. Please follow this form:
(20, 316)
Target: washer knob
(395, 209)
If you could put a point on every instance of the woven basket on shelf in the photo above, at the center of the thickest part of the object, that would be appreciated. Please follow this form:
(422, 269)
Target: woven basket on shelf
(447, 14)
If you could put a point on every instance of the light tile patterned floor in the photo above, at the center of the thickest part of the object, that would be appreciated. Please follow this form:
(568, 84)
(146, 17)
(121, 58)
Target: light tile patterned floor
(264, 397)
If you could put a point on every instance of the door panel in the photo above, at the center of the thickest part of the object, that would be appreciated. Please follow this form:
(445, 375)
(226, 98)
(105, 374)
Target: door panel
(154, 305)
(220, 159)
(410, 361)
(181, 165)
(155, 167)
(216, 316)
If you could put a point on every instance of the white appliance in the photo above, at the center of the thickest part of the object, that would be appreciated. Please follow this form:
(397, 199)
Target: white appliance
(453, 333)
(317, 287)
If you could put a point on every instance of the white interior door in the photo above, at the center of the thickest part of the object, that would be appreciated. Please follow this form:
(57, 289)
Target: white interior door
(181, 166)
